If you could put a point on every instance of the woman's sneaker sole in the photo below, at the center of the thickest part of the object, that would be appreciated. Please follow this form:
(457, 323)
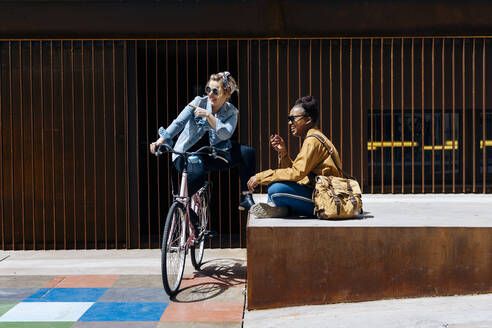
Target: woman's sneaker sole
(263, 210)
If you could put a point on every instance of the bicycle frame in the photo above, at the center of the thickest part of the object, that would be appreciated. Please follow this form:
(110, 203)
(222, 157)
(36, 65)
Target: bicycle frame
(187, 201)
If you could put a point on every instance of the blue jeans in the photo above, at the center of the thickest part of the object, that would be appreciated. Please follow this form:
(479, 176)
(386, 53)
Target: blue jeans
(296, 197)
(239, 155)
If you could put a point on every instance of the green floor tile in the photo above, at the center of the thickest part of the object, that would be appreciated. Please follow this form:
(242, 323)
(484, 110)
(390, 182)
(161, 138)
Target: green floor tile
(36, 324)
(4, 307)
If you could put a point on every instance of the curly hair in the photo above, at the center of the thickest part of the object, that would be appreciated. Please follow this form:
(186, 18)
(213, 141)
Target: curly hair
(310, 106)
(229, 84)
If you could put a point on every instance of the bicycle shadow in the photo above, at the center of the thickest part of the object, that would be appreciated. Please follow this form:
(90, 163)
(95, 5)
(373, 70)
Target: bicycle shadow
(219, 279)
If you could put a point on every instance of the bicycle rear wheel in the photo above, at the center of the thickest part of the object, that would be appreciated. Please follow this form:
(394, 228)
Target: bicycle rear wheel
(198, 249)
(173, 251)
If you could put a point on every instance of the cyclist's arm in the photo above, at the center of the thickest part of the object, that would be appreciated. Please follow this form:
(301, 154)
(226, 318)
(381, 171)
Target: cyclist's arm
(179, 123)
(224, 129)
(211, 119)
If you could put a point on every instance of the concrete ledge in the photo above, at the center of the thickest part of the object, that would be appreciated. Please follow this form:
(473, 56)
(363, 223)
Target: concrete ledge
(404, 246)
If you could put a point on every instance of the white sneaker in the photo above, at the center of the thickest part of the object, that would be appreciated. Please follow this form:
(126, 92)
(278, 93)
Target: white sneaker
(263, 210)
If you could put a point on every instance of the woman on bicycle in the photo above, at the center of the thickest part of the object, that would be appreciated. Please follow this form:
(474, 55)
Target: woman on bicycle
(213, 114)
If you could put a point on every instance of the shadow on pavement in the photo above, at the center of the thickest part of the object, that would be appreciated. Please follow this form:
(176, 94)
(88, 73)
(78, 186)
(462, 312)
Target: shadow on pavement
(218, 279)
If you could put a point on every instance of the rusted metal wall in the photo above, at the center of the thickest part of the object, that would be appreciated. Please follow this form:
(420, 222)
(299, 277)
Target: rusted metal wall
(408, 115)
(356, 264)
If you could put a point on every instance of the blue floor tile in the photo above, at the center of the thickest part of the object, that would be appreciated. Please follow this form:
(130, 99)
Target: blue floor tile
(124, 312)
(66, 295)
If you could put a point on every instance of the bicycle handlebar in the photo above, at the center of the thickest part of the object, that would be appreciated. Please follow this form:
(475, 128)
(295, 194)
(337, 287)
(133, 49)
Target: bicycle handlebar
(165, 148)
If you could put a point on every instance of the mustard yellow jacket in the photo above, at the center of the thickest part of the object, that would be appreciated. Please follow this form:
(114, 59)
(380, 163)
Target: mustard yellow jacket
(313, 159)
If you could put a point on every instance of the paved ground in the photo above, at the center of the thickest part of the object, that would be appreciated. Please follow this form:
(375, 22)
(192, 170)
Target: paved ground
(430, 312)
(122, 289)
(118, 289)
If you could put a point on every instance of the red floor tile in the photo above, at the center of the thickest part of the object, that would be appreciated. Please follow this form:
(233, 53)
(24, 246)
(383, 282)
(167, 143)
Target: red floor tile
(203, 312)
(83, 281)
(53, 283)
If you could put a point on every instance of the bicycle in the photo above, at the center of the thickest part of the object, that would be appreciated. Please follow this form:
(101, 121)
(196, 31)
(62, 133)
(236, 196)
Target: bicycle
(179, 234)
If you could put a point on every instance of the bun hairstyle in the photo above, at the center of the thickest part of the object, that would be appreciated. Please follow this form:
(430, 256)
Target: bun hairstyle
(228, 83)
(310, 106)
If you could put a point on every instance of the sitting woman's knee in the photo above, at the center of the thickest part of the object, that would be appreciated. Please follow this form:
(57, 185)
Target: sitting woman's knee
(275, 188)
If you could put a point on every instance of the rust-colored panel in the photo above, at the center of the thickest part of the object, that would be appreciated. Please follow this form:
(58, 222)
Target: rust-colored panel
(347, 264)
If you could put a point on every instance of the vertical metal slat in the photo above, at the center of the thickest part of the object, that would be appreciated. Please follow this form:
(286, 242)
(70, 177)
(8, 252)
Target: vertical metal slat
(432, 117)
(74, 172)
(115, 147)
(62, 70)
(21, 125)
(474, 155)
(147, 154)
(392, 118)
(453, 109)
(83, 147)
(127, 173)
(423, 120)
(42, 140)
(362, 144)
(331, 93)
(372, 116)
(463, 134)
(93, 69)
(382, 114)
(53, 144)
(12, 169)
(33, 180)
(413, 115)
(158, 173)
(341, 97)
(484, 151)
(105, 149)
(350, 113)
(402, 117)
(443, 122)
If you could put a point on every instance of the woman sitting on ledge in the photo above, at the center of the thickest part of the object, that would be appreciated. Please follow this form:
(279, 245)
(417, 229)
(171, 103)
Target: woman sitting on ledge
(291, 186)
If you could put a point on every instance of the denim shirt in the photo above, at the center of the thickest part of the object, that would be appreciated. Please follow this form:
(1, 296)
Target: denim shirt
(195, 127)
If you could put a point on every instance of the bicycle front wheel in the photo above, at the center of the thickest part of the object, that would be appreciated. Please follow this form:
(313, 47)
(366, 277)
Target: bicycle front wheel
(173, 251)
(198, 249)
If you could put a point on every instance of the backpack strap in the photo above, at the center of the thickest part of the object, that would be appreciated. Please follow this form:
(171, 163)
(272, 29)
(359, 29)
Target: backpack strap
(330, 151)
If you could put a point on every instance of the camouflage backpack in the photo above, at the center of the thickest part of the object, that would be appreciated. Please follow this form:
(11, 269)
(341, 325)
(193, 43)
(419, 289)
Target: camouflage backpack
(336, 197)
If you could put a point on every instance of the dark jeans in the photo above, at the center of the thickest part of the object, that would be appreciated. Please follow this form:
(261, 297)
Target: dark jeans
(239, 155)
(296, 197)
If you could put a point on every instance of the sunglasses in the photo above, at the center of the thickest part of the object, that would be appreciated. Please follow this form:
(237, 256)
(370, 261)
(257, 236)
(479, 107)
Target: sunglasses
(293, 117)
(214, 91)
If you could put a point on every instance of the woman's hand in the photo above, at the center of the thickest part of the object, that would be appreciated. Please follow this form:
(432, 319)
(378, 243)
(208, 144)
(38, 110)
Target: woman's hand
(252, 183)
(200, 112)
(278, 144)
(153, 146)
